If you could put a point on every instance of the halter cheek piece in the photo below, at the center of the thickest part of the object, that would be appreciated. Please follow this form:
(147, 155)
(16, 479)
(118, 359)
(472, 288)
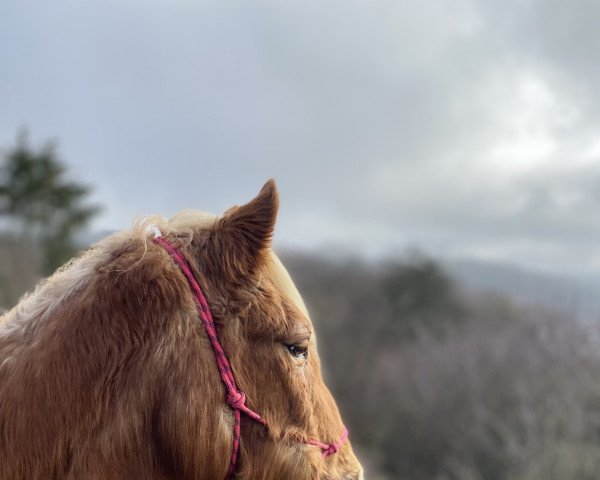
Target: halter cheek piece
(235, 397)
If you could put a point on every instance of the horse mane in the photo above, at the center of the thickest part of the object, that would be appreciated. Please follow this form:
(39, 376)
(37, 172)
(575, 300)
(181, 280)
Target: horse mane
(34, 306)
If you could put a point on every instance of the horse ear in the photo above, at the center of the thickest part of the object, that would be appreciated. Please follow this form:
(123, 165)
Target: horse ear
(243, 234)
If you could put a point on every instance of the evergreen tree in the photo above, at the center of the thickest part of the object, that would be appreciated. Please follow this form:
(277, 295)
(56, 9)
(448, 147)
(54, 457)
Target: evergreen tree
(40, 202)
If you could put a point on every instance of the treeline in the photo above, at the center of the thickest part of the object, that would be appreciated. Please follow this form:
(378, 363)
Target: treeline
(20, 268)
(441, 384)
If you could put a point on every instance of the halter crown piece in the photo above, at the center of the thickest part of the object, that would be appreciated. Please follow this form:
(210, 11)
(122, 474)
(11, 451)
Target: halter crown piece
(235, 397)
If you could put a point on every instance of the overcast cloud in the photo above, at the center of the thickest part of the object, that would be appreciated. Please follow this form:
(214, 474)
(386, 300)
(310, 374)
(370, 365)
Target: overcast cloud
(466, 128)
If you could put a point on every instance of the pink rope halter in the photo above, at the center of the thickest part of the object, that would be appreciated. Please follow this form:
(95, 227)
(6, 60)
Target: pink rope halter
(235, 397)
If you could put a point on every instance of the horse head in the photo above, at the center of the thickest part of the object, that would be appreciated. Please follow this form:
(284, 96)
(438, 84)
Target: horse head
(106, 370)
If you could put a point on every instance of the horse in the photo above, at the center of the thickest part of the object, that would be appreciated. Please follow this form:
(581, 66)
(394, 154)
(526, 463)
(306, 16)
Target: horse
(109, 369)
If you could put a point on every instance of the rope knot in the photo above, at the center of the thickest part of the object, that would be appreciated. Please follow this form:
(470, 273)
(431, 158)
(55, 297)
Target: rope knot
(236, 400)
(331, 449)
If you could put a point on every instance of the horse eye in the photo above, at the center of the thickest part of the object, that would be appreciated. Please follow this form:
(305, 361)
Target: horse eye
(297, 350)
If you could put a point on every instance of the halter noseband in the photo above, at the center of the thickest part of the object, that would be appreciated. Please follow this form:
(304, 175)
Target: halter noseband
(235, 397)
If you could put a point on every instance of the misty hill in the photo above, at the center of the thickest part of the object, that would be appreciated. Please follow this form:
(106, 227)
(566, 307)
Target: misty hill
(580, 296)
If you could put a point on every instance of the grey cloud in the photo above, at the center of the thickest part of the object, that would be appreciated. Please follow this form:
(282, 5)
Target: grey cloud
(376, 118)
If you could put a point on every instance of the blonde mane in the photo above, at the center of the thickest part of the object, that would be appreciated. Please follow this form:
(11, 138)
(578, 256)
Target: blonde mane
(35, 306)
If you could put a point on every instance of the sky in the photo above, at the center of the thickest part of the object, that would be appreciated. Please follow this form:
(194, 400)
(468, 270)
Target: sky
(467, 129)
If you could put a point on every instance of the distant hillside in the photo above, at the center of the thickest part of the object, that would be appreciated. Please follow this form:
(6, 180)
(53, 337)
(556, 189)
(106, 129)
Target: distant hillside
(578, 296)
